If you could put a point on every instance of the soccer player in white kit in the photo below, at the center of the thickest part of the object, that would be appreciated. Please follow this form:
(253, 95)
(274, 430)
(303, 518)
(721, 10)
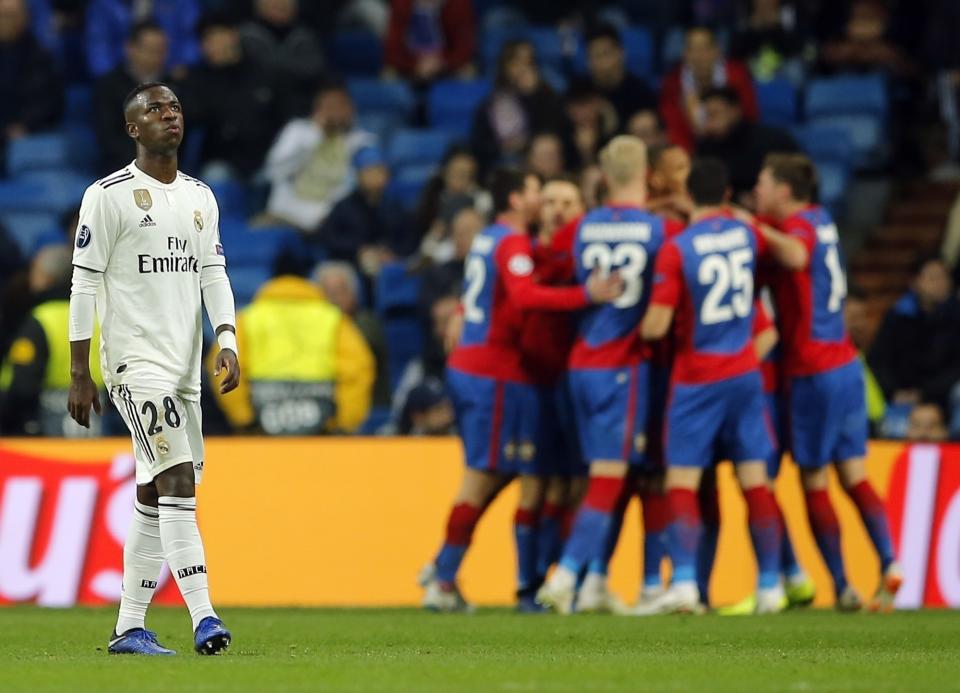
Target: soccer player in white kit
(147, 251)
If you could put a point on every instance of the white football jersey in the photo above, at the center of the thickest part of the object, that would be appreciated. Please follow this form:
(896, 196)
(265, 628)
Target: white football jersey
(150, 240)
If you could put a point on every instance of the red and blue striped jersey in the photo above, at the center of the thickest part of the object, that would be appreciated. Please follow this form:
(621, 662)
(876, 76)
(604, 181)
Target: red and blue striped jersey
(706, 274)
(625, 239)
(809, 302)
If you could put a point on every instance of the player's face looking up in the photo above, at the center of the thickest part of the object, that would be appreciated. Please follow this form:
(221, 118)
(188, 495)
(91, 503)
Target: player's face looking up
(669, 177)
(769, 193)
(155, 120)
(528, 200)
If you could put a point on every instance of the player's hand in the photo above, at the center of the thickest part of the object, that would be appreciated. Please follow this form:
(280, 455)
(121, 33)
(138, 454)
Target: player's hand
(604, 289)
(741, 214)
(83, 395)
(227, 361)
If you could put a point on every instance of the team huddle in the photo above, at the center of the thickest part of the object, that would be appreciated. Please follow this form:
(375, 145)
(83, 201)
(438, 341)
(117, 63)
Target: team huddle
(627, 350)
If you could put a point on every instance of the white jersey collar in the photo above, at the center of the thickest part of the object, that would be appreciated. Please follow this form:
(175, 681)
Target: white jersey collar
(151, 181)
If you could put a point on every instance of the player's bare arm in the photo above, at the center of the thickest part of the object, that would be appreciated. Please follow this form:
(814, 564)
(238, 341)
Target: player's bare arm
(765, 341)
(83, 391)
(656, 322)
(789, 252)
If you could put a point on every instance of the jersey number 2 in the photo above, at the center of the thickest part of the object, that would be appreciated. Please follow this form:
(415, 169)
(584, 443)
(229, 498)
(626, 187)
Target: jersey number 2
(721, 273)
(629, 259)
(475, 275)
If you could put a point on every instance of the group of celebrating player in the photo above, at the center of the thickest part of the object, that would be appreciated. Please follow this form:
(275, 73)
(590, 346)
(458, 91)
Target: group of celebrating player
(626, 350)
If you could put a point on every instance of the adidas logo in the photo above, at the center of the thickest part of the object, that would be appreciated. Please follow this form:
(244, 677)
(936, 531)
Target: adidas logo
(147, 221)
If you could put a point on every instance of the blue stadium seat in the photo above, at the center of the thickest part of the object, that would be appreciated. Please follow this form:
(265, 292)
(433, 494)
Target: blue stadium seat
(548, 45)
(82, 147)
(864, 132)
(43, 152)
(832, 178)
(27, 228)
(395, 290)
(374, 95)
(640, 47)
(847, 95)
(377, 418)
(246, 247)
(232, 198)
(407, 183)
(79, 104)
(451, 103)
(404, 336)
(356, 53)
(380, 123)
(778, 102)
(492, 41)
(43, 191)
(246, 281)
(411, 146)
(827, 144)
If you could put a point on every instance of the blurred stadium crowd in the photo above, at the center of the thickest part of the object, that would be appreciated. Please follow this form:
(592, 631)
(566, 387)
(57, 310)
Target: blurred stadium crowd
(348, 142)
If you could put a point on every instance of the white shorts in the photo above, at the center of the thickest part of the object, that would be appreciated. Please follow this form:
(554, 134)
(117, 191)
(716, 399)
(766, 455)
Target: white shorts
(165, 428)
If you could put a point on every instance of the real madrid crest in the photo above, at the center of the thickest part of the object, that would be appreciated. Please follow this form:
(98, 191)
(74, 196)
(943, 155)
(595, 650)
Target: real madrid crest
(163, 447)
(142, 197)
(198, 220)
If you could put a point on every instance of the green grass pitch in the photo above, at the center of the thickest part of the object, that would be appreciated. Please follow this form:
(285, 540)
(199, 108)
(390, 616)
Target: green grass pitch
(406, 650)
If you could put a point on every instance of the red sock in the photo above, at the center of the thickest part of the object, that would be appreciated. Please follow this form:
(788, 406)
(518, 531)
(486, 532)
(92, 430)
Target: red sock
(552, 511)
(463, 518)
(684, 506)
(821, 513)
(604, 493)
(525, 518)
(656, 511)
(566, 522)
(760, 505)
(865, 498)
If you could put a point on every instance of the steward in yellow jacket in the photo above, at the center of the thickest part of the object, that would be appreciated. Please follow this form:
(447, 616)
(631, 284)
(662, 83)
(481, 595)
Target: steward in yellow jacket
(306, 368)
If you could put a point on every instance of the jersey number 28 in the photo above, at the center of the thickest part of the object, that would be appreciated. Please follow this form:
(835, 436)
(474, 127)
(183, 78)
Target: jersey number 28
(629, 259)
(723, 273)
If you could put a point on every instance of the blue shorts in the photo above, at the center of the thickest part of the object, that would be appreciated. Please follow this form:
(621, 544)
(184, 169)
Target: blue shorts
(498, 422)
(611, 409)
(776, 412)
(724, 420)
(828, 416)
(558, 449)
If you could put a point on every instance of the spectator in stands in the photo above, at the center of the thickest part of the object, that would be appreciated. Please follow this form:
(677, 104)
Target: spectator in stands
(31, 92)
(235, 139)
(914, 354)
(545, 155)
(145, 52)
(309, 165)
(521, 104)
(703, 67)
(608, 76)
(858, 323)
(35, 376)
(772, 41)
(739, 143)
(280, 43)
(445, 278)
(865, 44)
(593, 121)
(365, 228)
(430, 39)
(592, 186)
(437, 246)
(667, 195)
(455, 177)
(942, 54)
(646, 125)
(427, 411)
(299, 381)
(341, 286)
(927, 424)
(109, 24)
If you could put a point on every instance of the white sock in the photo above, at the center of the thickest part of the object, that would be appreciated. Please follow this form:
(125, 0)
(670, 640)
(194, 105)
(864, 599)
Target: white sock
(183, 550)
(142, 561)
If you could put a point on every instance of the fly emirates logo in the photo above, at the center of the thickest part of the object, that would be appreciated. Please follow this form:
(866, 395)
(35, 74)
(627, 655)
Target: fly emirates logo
(175, 261)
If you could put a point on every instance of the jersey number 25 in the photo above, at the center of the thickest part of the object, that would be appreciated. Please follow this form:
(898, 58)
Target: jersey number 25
(723, 273)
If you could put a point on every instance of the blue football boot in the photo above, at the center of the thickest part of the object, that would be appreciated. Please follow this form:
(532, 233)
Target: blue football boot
(137, 641)
(211, 637)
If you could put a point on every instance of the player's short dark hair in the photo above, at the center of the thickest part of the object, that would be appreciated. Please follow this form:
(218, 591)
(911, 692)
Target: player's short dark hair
(504, 181)
(219, 19)
(709, 182)
(139, 89)
(603, 30)
(563, 178)
(142, 27)
(794, 170)
(856, 292)
(728, 95)
(656, 152)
